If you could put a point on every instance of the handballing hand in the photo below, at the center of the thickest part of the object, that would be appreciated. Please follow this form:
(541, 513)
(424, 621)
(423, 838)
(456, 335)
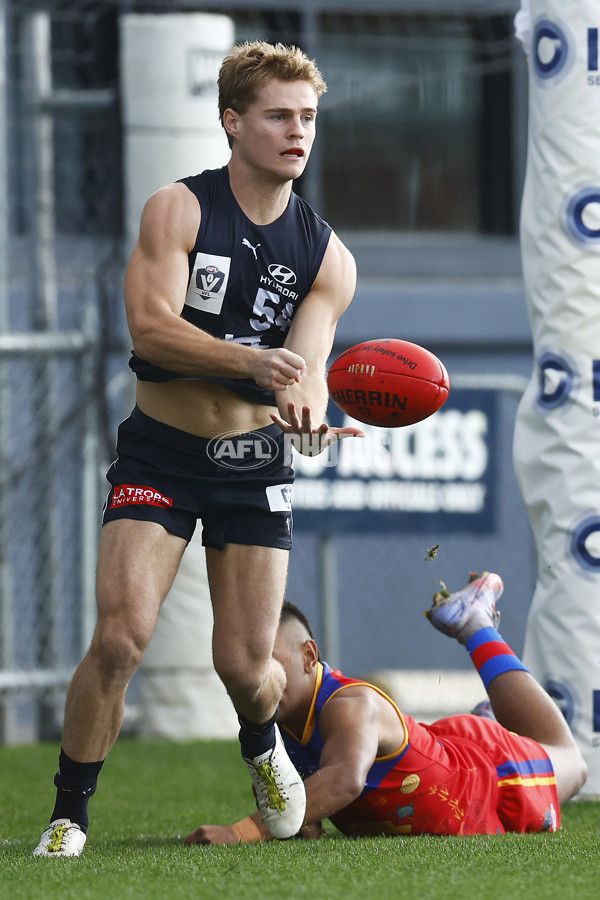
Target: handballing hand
(277, 369)
(308, 440)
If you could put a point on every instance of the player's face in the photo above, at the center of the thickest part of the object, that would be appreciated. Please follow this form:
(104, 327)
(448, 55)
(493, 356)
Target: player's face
(290, 650)
(277, 131)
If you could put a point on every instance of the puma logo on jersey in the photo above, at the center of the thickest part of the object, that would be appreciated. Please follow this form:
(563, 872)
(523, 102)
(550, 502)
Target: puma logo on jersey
(246, 243)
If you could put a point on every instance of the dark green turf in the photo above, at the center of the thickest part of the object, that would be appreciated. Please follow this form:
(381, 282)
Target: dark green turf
(152, 794)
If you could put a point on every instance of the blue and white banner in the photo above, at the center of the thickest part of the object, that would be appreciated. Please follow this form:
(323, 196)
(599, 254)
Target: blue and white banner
(438, 473)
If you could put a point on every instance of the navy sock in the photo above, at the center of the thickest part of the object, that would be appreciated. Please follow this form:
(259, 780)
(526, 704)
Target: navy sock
(76, 782)
(256, 739)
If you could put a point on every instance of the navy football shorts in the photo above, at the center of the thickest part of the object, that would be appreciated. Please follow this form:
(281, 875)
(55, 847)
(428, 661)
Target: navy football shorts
(239, 486)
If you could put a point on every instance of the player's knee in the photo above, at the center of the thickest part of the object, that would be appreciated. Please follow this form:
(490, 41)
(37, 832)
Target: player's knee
(571, 770)
(576, 765)
(119, 651)
(243, 674)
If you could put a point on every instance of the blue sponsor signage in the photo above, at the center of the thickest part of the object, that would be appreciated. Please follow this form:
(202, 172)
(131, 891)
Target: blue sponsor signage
(437, 474)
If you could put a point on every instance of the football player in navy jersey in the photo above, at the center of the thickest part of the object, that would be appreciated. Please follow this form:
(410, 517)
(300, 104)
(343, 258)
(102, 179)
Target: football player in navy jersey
(233, 293)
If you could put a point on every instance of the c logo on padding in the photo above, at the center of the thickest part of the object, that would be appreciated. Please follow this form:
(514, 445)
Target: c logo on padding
(556, 377)
(551, 49)
(582, 222)
(585, 543)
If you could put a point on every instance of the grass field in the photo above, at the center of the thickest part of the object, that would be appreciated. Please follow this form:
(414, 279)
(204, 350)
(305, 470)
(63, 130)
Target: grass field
(152, 794)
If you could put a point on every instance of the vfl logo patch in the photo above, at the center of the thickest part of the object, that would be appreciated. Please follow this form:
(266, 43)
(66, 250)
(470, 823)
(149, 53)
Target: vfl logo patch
(206, 290)
(209, 280)
(136, 495)
(282, 274)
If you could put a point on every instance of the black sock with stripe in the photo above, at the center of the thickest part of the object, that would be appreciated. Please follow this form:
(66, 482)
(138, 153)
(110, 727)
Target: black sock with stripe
(256, 739)
(75, 782)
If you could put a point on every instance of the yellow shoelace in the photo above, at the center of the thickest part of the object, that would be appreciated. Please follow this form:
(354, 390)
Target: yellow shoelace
(276, 801)
(56, 839)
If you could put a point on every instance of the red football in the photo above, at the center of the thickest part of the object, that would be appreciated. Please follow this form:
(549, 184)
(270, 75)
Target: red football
(388, 382)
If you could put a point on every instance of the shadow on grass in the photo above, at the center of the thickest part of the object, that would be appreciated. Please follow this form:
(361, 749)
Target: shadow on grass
(139, 843)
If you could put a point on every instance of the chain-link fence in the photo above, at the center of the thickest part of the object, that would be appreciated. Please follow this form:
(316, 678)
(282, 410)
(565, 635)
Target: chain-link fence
(408, 89)
(61, 269)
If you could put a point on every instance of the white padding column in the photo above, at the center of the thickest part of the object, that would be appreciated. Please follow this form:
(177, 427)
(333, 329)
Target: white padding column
(557, 435)
(181, 695)
(169, 69)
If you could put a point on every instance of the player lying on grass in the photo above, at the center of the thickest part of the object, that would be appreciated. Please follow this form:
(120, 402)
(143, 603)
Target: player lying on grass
(371, 769)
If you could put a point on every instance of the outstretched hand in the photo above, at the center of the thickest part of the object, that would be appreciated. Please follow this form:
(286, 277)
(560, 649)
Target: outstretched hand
(308, 440)
(226, 834)
(213, 834)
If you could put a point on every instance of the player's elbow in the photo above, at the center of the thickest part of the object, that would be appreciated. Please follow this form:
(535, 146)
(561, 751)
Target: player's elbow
(143, 345)
(350, 786)
(145, 337)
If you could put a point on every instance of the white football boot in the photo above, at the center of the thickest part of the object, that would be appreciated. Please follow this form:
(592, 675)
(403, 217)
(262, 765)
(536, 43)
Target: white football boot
(463, 613)
(280, 792)
(61, 838)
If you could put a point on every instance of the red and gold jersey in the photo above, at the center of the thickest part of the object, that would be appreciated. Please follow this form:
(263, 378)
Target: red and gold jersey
(460, 775)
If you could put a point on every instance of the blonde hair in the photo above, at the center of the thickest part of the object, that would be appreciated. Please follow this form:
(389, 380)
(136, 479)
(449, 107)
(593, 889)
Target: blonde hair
(253, 63)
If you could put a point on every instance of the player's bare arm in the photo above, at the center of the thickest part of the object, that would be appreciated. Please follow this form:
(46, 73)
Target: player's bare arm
(350, 726)
(356, 727)
(302, 406)
(155, 288)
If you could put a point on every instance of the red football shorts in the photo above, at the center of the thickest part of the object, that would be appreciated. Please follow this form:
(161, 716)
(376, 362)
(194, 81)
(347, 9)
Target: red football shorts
(524, 796)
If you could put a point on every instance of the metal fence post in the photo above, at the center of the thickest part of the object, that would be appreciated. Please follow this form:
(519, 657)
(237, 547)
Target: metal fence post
(330, 619)
(7, 644)
(89, 489)
(38, 81)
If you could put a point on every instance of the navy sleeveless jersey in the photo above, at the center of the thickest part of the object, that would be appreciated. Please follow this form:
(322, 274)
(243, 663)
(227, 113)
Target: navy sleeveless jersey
(246, 280)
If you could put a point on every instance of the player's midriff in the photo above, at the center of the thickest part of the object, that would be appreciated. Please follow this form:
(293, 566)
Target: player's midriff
(200, 407)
